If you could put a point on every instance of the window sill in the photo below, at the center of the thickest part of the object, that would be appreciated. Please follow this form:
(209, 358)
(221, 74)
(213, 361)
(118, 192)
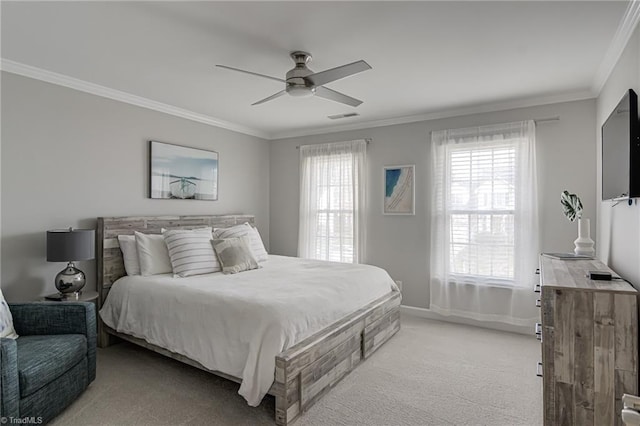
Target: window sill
(483, 281)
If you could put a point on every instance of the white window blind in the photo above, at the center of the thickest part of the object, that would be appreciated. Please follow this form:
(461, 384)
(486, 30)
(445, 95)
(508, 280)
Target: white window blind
(332, 201)
(481, 210)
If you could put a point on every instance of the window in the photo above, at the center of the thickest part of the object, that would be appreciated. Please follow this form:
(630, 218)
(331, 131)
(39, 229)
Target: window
(484, 229)
(332, 201)
(334, 215)
(481, 209)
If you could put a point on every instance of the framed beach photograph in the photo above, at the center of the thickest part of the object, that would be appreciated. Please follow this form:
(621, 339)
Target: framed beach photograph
(399, 190)
(182, 173)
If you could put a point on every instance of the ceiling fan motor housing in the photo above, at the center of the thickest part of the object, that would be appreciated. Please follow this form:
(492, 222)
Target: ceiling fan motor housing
(297, 84)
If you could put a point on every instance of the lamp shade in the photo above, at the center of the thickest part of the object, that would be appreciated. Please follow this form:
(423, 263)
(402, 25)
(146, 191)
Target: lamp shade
(67, 245)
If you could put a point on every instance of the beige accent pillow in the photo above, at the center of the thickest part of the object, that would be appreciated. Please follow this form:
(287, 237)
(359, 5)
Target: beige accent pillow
(255, 241)
(234, 255)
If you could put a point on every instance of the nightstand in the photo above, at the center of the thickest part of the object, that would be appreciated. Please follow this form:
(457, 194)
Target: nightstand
(85, 296)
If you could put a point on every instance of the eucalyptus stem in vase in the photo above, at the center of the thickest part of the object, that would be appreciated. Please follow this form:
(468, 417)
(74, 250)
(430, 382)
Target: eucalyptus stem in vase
(572, 209)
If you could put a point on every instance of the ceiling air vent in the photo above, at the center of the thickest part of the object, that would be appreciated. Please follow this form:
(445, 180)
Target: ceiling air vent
(347, 115)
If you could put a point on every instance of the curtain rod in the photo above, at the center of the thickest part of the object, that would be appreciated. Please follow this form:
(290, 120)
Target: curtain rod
(536, 121)
(367, 140)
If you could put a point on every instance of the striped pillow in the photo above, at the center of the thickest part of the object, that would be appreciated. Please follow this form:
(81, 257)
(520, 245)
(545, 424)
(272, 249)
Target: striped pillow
(255, 242)
(191, 252)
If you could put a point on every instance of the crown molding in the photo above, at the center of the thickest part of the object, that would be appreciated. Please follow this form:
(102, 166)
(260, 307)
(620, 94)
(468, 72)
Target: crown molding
(117, 95)
(624, 32)
(475, 109)
(106, 92)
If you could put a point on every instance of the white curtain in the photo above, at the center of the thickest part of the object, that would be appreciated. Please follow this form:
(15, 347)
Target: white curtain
(484, 246)
(332, 201)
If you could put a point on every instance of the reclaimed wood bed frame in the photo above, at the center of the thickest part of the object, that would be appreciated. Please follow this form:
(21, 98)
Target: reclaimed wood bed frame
(304, 372)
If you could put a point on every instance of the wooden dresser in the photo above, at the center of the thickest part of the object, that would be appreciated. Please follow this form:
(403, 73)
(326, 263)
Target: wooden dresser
(589, 335)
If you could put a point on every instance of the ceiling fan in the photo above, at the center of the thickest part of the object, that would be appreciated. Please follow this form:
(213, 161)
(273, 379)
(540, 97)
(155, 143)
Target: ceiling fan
(301, 81)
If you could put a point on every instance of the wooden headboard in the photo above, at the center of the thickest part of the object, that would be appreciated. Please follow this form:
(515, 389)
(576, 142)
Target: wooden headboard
(110, 265)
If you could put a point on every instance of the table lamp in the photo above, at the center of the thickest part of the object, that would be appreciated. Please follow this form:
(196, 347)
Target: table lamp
(69, 245)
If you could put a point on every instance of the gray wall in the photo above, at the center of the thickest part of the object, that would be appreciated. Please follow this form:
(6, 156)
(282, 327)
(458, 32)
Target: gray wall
(566, 154)
(618, 242)
(69, 157)
(44, 126)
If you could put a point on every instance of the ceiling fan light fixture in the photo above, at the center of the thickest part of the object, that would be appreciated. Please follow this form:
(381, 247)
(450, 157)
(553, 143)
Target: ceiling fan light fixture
(301, 91)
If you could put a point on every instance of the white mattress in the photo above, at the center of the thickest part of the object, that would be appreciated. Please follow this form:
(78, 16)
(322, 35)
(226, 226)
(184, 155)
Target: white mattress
(238, 323)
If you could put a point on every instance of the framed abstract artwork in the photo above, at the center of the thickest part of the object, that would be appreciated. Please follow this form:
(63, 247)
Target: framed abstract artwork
(399, 190)
(182, 173)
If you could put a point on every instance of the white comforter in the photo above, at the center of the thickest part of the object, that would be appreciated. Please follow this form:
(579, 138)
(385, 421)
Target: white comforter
(238, 323)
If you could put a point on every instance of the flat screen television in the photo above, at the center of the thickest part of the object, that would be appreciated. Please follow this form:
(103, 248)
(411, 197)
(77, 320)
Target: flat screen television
(621, 151)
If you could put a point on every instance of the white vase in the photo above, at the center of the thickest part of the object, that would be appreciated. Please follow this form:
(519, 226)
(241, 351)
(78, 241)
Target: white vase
(584, 243)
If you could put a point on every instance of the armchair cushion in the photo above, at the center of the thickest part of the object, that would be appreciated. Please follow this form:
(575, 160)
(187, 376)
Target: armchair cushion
(47, 318)
(42, 359)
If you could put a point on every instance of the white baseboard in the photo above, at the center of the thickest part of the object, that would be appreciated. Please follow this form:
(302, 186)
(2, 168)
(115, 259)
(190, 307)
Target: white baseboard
(429, 314)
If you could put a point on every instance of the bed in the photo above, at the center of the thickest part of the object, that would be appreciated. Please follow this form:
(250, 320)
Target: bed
(302, 373)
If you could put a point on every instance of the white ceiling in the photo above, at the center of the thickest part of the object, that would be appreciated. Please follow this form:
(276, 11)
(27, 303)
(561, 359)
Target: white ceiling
(427, 57)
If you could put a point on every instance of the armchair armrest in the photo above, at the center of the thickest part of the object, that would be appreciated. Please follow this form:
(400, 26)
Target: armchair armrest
(9, 384)
(40, 318)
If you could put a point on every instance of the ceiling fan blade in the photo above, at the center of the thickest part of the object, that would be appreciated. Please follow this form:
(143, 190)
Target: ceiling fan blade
(332, 95)
(252, 73)
(275, 95)
(323, 77)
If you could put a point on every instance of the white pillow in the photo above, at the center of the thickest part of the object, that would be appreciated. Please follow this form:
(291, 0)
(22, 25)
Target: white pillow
(153, 254)
(6, 320)
(191, 252)
(129, 251)
(234, 255)
(255, 242)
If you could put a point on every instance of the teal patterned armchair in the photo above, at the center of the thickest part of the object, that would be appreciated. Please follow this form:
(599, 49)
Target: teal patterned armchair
(51, 363)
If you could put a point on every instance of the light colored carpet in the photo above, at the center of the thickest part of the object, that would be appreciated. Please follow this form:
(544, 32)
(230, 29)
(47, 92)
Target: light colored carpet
(430, 373)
